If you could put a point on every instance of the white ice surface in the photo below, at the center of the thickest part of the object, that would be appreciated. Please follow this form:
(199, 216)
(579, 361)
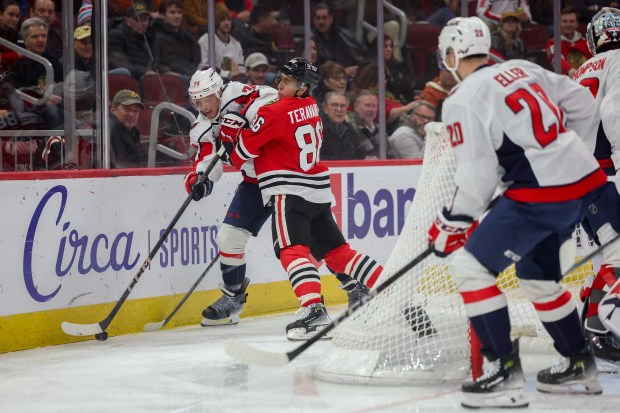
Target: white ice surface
(186, 370)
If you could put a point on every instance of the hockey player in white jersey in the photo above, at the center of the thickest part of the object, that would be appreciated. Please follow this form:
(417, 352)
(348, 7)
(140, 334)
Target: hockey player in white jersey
(601, 75)
(515, 126)
(227, 108)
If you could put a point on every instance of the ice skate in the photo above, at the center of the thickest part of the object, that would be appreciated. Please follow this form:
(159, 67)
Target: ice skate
(501, 385)
(227, 308)
(571, 375)
(606, 351)
(355, 292)
(309, 320)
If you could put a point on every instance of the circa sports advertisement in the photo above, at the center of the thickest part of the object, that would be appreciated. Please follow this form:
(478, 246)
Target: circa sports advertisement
(76, 242)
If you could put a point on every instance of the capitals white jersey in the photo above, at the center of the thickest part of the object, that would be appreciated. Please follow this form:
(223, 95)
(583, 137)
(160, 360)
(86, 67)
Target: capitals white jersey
(516, 126)
(601, 75)
(236, 97)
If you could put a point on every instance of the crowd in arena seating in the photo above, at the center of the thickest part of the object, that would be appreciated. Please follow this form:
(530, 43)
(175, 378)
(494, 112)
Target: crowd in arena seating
(168, 38)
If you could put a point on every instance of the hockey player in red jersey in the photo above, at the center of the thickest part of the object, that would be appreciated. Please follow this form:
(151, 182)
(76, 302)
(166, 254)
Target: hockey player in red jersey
(600, 76)
(284, 141)
(516, 127)
(229, 104)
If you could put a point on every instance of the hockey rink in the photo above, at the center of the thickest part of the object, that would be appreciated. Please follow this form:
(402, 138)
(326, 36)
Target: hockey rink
(186, 370)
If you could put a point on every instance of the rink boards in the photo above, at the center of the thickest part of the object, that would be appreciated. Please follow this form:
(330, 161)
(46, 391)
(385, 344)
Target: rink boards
(71, 246)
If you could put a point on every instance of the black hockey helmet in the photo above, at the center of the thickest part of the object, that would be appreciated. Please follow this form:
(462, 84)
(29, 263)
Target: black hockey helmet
(301, 70)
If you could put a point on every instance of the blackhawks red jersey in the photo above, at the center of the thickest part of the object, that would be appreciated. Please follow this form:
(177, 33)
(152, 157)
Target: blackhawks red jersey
(284, 141)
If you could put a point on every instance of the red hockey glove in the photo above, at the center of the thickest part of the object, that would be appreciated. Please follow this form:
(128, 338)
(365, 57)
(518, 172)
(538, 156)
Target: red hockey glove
(196, 189)
(449, 232)
(231, 125)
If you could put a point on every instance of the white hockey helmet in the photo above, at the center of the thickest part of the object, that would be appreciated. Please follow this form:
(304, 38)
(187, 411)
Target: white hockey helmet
(466, 36)
(603, 30)
(205, 83)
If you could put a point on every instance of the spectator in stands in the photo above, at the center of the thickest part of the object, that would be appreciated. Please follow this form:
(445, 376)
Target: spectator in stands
(338, 135)
(573, 45)
(505, 42)
(9, 20)
(83, 45)
(333, 78)
(366, 130)
(257, 67)
(197, 16)
(128, 43)
(175, 50)
(257, 37)
(32, 76)
(408, 141)
(586, 9)
(436, 91)
(85, 14)
(335, 43)
(367, 79)
(443, 11)
(240, 10)
(228, 51)
(399, 82)
(491, 11)
(124, 133)
(46, 10)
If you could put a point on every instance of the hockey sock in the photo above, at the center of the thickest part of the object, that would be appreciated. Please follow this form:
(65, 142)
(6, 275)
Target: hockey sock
(302, 273)
(343, 278)
(566, 334)
(232, 274)
(359, 266)
(493, 331)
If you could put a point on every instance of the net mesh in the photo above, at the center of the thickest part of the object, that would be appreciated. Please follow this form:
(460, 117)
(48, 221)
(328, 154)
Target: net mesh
(416, 330)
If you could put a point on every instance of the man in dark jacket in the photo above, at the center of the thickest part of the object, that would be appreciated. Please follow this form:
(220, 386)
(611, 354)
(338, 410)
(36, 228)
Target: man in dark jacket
(124, 134)
(257, 37)
(127, 47)
(333, 42)
(338, 135)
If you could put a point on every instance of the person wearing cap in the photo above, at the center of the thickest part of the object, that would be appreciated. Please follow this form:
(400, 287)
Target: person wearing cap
(490, 11)
(83, 45)
(175, 50)
(228, 50)
(505, 42)
(127, 48)
(257, 67)
(124, 133)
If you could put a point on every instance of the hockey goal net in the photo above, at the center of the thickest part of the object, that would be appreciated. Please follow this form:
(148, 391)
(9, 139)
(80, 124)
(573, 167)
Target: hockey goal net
(416, 330)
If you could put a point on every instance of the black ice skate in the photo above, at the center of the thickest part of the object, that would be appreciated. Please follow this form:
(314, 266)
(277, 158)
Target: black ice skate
(355, 292)
(227, 308)
(571, 375)
(309, 320)
(501, 385)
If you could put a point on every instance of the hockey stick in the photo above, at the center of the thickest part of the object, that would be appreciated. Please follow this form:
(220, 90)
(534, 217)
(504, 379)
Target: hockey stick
(248, 354)
(98, 329)
(156, 326)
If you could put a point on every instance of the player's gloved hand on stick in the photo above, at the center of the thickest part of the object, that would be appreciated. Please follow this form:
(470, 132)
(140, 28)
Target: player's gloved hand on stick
(195, 188)
(231, 125)
(450, 232)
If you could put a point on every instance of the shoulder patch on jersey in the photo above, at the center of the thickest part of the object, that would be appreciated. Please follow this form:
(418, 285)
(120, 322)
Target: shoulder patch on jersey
(271, 102)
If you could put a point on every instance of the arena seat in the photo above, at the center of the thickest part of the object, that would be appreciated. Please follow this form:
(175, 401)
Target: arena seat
(422, 39)
(173, 90)
(118, 82)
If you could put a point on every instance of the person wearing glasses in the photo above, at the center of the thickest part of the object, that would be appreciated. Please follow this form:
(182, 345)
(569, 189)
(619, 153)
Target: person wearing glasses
(127, 47)
(338, 135)
(408, 141)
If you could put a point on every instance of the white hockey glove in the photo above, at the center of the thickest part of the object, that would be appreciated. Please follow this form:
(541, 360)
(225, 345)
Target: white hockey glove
(449, 232)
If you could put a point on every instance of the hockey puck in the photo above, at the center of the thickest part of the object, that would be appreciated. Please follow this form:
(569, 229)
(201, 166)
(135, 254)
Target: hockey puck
(103, 336)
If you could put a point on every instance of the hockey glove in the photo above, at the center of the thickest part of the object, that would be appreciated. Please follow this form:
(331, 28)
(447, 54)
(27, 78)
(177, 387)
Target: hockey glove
(231, 125)
(449, 232)
(195, 188)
